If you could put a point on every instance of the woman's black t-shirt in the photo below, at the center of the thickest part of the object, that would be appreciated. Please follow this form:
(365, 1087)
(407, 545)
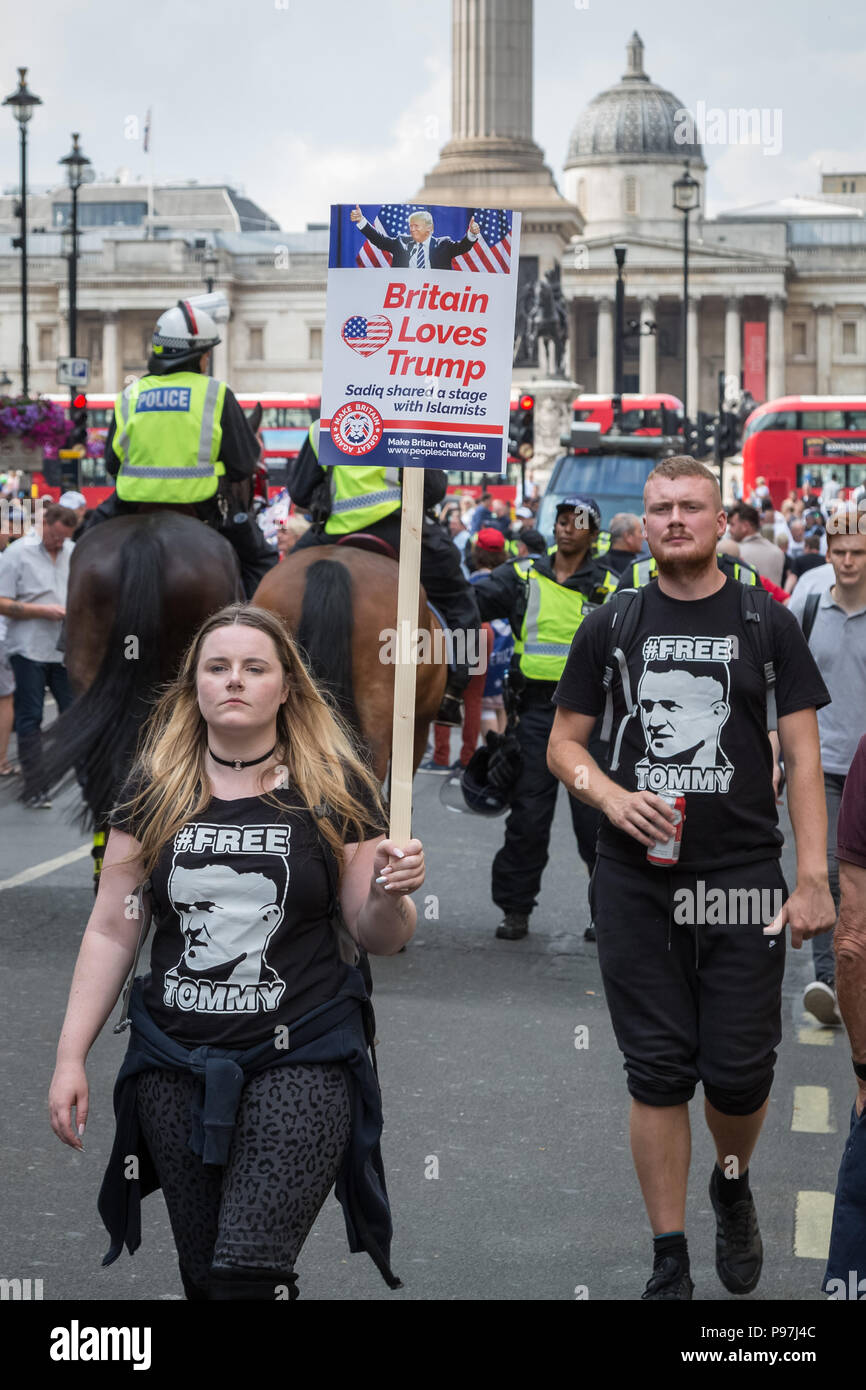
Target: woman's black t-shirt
(242, 942)
(699, 729)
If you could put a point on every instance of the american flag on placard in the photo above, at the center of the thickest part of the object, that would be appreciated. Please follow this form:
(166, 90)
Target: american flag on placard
(492, 250)
(366, 335)
(393, 220)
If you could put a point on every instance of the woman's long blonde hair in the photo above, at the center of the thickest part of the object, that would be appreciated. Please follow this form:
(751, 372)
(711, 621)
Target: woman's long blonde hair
(313, 744)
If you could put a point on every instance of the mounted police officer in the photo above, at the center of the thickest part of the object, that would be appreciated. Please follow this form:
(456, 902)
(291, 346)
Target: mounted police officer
(343, 501)
(180, 438)
(546, 599)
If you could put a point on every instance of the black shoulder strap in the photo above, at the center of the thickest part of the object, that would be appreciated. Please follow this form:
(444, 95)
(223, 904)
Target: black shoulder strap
(626, 606)
(754, 605)
(809, 613)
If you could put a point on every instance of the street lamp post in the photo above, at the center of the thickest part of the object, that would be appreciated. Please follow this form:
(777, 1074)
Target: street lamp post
(22, 102)
(620, 253)
(209, 268)
(687, 196)
(76, 165)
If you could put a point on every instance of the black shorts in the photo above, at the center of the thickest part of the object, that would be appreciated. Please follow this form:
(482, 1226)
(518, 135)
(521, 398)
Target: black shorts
(692, 998)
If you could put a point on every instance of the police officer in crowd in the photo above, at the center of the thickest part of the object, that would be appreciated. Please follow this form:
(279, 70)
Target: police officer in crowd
(545, 598)
(346, 501)
(179, 437)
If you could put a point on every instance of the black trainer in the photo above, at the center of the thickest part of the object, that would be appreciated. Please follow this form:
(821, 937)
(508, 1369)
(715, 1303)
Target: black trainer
(669, 1280)
(739, 1248)
(514, 926)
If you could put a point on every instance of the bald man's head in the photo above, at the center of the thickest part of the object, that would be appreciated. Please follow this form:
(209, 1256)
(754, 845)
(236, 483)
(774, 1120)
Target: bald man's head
(626, 532)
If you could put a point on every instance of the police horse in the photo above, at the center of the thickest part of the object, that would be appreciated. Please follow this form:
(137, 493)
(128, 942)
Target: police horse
(340, 602)
(140, 586)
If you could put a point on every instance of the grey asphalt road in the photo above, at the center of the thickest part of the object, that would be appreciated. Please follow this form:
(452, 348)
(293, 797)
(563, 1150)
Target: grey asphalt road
(506, 1146)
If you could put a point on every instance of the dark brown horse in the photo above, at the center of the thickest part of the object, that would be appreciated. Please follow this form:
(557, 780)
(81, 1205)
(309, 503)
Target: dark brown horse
(340, 604)
(139, 588)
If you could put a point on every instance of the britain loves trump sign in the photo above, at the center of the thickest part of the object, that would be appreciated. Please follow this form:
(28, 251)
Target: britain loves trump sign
(419, 337)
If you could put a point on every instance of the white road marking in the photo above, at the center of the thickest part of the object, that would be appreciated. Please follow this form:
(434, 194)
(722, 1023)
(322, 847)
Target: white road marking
(47, 866)
(812, 1110)
(816, 1037)
(812, 1221)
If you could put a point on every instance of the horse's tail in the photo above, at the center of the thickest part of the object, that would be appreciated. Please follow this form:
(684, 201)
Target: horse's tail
(325, 633)
(97, 735)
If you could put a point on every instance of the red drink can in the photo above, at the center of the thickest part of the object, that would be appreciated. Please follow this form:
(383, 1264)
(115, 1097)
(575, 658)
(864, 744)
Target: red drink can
(667, 852)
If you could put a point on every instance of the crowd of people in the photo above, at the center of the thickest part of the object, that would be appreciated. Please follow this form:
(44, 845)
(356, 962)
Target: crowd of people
(639, 729)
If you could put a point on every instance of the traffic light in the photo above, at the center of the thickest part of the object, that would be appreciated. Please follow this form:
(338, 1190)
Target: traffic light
(690, 439)
(728, 434)
(525, 427)
(705, 443)
(78, 418)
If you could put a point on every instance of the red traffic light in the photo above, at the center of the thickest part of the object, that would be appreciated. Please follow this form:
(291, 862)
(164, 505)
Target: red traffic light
(80, 402)
(527, 402)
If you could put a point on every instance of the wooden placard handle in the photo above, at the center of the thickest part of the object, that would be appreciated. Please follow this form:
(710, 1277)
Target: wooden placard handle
(403, 737)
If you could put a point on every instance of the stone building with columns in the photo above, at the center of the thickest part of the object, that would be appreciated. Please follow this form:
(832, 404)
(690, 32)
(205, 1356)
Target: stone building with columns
(796, 267)
(140, 251)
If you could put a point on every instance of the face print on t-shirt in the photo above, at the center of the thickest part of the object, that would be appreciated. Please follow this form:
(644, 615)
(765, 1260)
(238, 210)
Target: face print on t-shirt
(683, 700)
(227, 886)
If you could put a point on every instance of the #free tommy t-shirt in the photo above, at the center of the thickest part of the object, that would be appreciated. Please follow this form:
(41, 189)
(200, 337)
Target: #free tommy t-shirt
(699, 724)
(242, 942)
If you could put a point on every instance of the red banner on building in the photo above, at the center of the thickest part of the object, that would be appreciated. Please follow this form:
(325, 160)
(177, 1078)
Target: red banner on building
(754, 360)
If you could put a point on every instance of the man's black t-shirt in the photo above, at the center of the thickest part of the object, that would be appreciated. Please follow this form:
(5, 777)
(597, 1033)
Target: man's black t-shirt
(242, 942)
(699, 729)
(809, 560)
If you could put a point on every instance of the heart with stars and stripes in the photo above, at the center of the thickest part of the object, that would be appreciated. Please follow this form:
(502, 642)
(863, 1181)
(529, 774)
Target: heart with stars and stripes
(366, 335)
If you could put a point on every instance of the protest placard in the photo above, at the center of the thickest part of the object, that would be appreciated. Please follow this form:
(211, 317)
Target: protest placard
(419, 335)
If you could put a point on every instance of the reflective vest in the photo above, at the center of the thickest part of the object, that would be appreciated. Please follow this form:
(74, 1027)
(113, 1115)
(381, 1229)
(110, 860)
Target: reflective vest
(511, 547)
(642, 571)
(167, 438)
(602, 543)
(553, 615)
(359, 496)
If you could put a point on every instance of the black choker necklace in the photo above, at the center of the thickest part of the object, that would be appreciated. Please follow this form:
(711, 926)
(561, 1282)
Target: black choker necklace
(237, 763)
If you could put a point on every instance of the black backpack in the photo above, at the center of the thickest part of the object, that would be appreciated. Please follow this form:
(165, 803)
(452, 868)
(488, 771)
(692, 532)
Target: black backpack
(809, 613)
(627, 605)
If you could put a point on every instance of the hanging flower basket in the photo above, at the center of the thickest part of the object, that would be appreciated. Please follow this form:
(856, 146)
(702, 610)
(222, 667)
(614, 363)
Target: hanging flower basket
(28, 430)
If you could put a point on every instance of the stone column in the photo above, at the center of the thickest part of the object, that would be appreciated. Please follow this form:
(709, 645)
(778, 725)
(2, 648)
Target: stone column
(491, 81)
(604, 348)
(776, 348)
(733, 338)
(222, 354)
(693, 364)
(823, 349)
(647, 346)
(110, 366)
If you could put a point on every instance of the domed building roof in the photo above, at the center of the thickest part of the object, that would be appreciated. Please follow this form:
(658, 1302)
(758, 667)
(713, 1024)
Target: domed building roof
(636, 119)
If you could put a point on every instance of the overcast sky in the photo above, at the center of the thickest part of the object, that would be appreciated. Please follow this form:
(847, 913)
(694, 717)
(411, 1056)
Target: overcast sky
(303, 104)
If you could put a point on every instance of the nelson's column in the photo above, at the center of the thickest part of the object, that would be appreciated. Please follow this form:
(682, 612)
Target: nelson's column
(492, 160)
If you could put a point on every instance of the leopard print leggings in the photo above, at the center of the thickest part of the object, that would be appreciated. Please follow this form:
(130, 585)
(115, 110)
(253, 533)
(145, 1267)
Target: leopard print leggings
(248, 1221)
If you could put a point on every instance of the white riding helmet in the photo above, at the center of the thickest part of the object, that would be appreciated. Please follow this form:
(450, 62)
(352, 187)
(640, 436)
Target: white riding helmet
(183, 333)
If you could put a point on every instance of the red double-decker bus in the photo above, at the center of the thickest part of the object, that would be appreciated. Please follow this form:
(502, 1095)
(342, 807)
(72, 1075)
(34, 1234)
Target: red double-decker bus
(286, 418)
(798, 442)
(639, 414)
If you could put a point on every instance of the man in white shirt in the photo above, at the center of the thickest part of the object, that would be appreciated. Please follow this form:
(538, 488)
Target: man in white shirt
(33, 582)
